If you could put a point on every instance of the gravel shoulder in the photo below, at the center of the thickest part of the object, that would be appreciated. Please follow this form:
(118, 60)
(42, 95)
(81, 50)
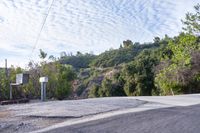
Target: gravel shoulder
(34, 116)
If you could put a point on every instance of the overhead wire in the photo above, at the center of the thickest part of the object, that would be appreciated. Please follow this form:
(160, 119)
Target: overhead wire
(41, 29)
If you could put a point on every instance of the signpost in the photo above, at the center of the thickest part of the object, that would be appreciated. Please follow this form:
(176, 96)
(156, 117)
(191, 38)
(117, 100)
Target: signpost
(43, 81)
(21, 79)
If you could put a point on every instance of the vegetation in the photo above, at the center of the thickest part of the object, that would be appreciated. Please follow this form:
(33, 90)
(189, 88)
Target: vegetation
(166, 66)
(192, 21)
(124, 54)
(65, 78)
(78, 61)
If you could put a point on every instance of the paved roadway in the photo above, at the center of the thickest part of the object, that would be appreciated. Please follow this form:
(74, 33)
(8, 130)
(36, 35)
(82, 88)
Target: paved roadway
(166, 120)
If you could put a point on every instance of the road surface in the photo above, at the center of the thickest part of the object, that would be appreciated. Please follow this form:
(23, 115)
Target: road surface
(107, 114)
(165, 120)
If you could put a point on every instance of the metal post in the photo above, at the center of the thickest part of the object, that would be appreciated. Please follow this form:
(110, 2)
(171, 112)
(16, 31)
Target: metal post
(45, 84)
(43, 91)
(11, 97)
(43, 81)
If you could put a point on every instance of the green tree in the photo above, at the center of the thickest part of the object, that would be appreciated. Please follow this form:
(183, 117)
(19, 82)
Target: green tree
(65, 77)
(42, 54)
(156, 40)
(174, 77)
(4, 86)
(127, 43)
(139, 74)
(192, 21)
(119, 56)
(78, 61)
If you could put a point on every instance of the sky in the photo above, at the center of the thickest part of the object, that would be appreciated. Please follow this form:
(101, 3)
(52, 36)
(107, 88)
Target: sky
(83, 25)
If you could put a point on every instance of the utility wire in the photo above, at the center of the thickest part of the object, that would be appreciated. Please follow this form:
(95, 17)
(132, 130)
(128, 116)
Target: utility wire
(43, 24)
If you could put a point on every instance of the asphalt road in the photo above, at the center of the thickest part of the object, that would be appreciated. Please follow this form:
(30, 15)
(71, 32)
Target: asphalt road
(167, 120)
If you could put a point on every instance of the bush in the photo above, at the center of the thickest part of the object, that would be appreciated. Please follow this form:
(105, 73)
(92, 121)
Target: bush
(94, 91)
(63, 90)
(65, 78)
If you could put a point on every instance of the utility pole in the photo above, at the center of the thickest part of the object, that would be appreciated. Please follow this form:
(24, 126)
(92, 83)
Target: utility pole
(6, 68)
(6, 73)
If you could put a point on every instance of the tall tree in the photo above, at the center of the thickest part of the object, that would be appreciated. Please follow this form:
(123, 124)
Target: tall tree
(192, 21)
(127, 43)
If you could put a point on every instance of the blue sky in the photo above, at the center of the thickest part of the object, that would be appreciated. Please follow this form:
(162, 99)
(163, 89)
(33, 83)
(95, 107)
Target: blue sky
(83, 25)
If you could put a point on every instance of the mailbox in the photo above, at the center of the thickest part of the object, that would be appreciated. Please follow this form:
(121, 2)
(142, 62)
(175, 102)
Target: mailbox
(44, 79)
(22, 78)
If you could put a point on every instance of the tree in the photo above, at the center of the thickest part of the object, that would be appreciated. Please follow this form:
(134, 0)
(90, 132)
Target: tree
(78, 61)
(122, 55)
(52, 58)
(127, 43)
(42, 54)
(139, 74)
(192, 21)
(176, 77)
(179, 74)
(79, 53)
(156, 40)
(65, 78)
(4, 86)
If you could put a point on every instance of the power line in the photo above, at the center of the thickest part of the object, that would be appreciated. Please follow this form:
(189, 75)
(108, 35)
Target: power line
(43, 24)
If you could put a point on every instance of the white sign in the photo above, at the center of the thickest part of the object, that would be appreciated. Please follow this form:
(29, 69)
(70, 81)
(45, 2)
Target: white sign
(22, 78)
(44, 79)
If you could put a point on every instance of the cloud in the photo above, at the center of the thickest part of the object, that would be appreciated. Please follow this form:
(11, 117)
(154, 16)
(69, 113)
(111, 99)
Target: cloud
(84, 25)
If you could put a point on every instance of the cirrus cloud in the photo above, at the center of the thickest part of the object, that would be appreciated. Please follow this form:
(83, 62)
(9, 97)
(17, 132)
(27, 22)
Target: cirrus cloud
(84, 25)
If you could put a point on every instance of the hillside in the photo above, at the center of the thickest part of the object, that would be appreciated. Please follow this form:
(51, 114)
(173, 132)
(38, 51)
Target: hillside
(165, 66)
